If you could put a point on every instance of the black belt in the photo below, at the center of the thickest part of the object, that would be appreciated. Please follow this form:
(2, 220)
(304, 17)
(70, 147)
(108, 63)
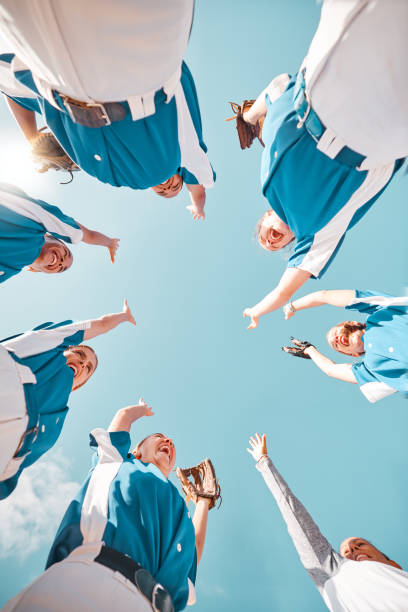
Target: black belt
(141, 578)
(93, 114)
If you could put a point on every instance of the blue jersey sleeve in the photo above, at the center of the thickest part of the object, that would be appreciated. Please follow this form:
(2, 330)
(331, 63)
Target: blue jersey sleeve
(120, 440)
(363, 374)
(368, 302)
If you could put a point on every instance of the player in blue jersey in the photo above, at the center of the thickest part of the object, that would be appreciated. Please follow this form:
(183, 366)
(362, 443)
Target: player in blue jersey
(112, 88)
(38, 371)
(33, 235)
(381, 342)
(334, 135)
(127, 539)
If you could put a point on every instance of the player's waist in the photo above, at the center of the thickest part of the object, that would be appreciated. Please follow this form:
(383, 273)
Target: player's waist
(327, 141)
(116, 561)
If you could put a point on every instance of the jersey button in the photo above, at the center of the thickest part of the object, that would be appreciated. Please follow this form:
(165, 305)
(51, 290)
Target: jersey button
(370, 345)
(391, 349)
(1, 272)
(97, 157)
(178, 546)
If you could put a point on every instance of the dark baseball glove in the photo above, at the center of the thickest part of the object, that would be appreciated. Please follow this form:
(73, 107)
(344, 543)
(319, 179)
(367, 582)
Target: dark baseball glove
(246, 131)
(46, 150)
(204, 483)
(299, 349)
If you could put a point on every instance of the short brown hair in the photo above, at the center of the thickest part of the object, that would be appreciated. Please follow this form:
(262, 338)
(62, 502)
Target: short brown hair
(139, 444)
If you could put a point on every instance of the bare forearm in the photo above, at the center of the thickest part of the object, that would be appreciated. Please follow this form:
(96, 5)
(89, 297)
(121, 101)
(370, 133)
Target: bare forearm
(25, 118)
(340, 298)
(105, 324)
(290, 282)
(93, 237)
(122, 421)
(200, 526)
(341, 371)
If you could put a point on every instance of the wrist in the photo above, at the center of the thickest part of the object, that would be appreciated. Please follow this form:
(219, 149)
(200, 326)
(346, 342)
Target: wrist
(263, 456)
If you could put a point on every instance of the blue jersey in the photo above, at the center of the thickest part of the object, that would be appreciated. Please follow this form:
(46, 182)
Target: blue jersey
(41, 350)
(24, 221)
(137, 154)
(319, 198)
(384, 369)
(133, 508)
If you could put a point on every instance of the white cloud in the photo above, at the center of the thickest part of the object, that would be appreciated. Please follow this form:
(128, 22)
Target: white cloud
(31, 515)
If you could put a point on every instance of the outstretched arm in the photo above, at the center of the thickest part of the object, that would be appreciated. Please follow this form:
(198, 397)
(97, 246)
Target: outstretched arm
(200, 525)
(197, 197)
(125, 417)
(93, 237)
(340, 298)
(292, 279)
(341, 371)
(108, 322)
(317, 555)
(25, 118)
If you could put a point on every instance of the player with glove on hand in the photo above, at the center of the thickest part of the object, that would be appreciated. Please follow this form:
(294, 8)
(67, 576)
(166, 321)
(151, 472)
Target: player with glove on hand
(382, 341)
(127, 541)
(33, 235)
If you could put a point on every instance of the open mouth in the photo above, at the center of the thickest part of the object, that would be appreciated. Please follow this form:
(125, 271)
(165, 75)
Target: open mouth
(166, 449)
(362, 557)
(74, 367)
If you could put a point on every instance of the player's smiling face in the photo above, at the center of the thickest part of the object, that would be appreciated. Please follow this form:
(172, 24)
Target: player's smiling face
(82, 360)
(55, 257)
(159, 450)
(343, 341)
(169, 188)
(358, 549)
(273, 233)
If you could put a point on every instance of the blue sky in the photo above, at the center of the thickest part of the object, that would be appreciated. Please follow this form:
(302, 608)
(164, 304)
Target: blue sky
(211, 382)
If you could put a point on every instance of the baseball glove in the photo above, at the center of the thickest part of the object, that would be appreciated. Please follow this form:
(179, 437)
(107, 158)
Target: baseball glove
(299, 349)
(205, 483)
(246, 131)
(46, 150)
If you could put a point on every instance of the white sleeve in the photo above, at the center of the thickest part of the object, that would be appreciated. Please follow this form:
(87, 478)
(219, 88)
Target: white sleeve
(192, 598)
(9, 84)
(52, 218)
(278, 86)
(42, 340)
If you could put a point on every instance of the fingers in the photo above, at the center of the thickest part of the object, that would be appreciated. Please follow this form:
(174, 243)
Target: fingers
(114, 245)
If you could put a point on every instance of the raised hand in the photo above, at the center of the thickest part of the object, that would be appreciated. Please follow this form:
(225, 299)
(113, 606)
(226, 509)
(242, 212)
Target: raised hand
(248, 312)
(299, 350)
(288, 311)
(113, 247)
(258, 447)
(196, 211)
(128, 313)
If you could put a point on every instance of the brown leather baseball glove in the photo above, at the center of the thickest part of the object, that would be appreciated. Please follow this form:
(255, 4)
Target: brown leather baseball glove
(205, 483)
(246, 131)
(46, 150)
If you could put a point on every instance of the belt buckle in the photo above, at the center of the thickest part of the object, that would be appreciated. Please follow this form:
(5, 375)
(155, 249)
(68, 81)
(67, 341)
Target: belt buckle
(305, 116)
(70, 105)
(101, 107)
